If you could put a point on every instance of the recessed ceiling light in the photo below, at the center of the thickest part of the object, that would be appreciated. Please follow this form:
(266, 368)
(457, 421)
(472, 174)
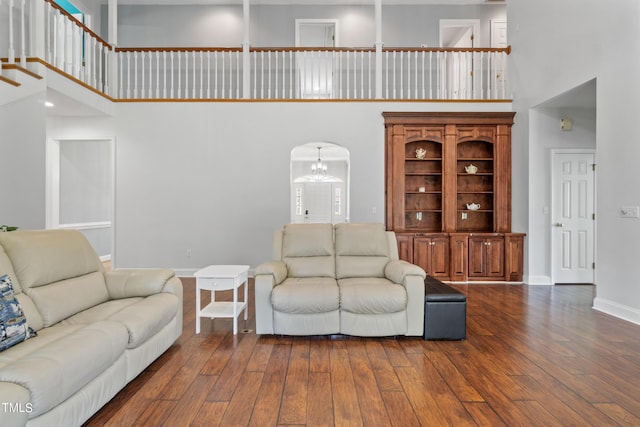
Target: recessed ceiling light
(49, 104)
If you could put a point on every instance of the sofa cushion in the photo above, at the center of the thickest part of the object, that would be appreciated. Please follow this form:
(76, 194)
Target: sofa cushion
(63, 299)
(371, 296)
(147, 317)
(308, 251)
(57, 269)
(45, 337)
(361, 239)
(7, 268)
(13, 324)
(306, 295)
(40, 257)
(362, 250)
(54, 372)
(100, 312)
(143, 317)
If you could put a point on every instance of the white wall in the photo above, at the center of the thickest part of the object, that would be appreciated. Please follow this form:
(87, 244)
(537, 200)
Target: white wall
(177, 26)
(213, 178)
(274, 25)
(22, 175)
(583, 40)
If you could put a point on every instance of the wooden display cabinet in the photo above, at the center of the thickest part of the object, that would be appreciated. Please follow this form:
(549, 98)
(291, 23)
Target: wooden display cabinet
(486, 257)
(431, 252)
(448, 179)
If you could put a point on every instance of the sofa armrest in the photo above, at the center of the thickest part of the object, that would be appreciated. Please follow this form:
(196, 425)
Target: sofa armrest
(15, 405)
(397, 270)
(127, 283)
(415, 305)
(267, 276)
(277, 269)
(412, 278)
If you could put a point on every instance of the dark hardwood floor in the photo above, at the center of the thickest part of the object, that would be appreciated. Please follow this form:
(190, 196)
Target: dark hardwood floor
(534, 356)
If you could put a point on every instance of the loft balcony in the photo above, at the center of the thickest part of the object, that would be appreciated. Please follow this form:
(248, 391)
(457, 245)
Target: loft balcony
(36, 33)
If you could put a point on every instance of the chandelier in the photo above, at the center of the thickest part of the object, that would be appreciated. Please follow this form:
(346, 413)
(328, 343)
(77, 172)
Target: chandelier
(319, 169)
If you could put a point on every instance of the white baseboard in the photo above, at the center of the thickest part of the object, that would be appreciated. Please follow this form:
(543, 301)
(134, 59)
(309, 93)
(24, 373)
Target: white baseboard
(538, 280)
(620, 311)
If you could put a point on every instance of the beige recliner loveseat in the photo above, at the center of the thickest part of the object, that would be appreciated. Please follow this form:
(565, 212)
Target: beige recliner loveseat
(96, 330)
(342, 279)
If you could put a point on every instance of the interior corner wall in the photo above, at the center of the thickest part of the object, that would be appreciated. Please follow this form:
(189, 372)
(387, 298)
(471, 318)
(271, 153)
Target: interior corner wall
(552, 53)
(22, 175)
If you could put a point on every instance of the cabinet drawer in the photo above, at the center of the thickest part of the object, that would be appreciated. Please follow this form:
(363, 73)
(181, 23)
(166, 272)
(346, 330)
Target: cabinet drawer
(219, 284)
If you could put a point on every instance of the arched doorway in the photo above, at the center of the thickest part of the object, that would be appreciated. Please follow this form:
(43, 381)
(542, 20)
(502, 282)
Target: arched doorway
(319, 183)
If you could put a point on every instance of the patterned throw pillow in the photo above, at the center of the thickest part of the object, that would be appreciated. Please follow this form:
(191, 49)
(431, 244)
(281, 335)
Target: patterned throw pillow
(13, 324)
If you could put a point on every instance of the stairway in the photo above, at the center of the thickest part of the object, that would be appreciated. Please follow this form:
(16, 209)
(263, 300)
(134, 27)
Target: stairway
(18, 82)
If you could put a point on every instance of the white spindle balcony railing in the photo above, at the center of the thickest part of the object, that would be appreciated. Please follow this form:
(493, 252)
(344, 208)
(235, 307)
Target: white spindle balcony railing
(74, 49)
(14, 29)
(198, 73)
(256, 73)
(444, 74)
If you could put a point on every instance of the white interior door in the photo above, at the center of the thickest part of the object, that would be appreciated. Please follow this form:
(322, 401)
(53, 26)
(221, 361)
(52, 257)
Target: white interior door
(458, 76)
(315, 68)
(499, 33)
(499, 40)
(573, 216)
(318, 202)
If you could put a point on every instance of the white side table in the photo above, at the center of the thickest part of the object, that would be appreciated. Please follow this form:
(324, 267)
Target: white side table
(222, 278)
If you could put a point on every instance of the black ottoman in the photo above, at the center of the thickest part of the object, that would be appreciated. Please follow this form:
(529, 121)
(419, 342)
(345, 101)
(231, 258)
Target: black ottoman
(445, 311)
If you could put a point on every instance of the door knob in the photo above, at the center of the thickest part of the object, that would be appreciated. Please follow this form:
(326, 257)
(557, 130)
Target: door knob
(558, 224)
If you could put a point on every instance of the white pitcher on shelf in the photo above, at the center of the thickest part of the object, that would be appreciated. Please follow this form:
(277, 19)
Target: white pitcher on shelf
(473, 206)
(471, 168)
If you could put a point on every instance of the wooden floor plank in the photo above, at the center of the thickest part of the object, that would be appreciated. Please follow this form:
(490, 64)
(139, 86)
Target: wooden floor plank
(319, 359)
(210, 414)
(454, 379)
(564, 405)
(533, 356)
(538, 414)
(188, 406)
(383, 370)
(483, 414)
(400, 411)
(346, 408)
(235, 366)
(267, 407)
(156, 413)
(369, 397)
(319, 400)
(618, 414)
(293, 408)
(430, 408)
(240, 407)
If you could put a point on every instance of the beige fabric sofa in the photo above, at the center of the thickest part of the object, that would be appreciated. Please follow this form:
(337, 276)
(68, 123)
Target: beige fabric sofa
(345, 279)
(96, 330)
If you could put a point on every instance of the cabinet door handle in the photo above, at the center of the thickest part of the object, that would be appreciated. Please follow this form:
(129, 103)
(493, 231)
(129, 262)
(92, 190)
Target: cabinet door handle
(558, 224)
